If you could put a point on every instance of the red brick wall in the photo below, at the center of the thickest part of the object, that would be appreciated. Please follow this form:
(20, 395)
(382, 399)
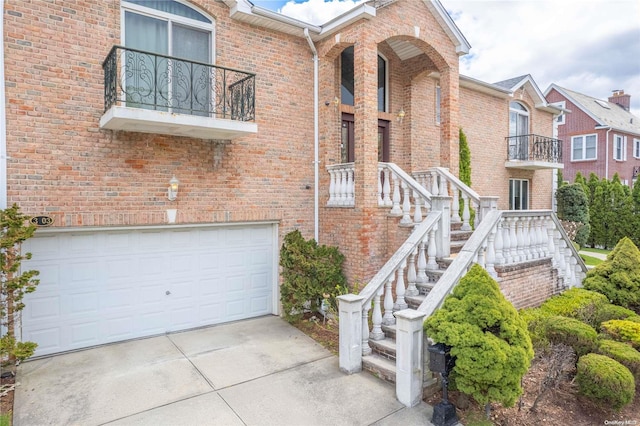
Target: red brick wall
(529, 284)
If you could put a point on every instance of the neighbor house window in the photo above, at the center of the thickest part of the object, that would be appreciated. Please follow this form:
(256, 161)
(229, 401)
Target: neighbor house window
(560, 119)
(636, 148)
(583, 147)
(438, 104)
(619, 148)
(347, 80)
(518, 194)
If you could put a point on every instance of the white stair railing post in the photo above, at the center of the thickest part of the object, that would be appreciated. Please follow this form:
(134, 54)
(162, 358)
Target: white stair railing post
(350, 338)
(380, 194)
(417, 209)
(513, 238)
(432, 265)
(409, 356)
(421, 277)
(527, 238)
(443, 233)
(506, 239)
(406, 205)
(351, 187)
(332, 188)
(551, 227)
(486, 205)
(342, 194)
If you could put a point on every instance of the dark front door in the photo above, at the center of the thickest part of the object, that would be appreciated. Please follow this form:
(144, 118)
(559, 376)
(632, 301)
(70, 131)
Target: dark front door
(347, 149)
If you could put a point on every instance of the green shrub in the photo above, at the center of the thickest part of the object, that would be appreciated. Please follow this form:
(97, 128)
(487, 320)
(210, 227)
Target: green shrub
(580, 336)
(623, 331)
(486, 335)
(573, 206)
(576, 303)
(310, 274)
(536, 320)
(618, 277)
(605, 380)
(624, 354)
(610, 311)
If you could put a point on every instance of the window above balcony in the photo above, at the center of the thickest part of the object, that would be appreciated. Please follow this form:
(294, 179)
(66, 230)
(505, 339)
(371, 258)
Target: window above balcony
(163, 82)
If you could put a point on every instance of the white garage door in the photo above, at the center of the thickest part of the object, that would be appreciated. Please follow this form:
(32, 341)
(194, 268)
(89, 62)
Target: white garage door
(106, 286)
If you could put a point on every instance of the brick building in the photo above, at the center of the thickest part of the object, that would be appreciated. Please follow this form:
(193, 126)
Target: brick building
(174, 143)
(600, 137)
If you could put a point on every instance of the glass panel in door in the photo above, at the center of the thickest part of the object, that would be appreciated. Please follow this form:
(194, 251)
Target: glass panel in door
(145, 75)
(191, 82)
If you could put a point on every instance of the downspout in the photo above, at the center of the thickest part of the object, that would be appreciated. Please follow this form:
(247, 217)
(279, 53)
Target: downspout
(316, 155)
(3, 120)
(606, 164)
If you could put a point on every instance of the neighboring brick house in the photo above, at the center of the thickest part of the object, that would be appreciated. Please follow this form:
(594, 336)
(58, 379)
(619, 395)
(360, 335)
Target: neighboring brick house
(108, 102)
(601, 137)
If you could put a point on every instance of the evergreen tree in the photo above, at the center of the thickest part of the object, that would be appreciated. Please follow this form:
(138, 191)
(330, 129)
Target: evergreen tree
(598, 212)
(486, 335)
(573, 206)
(464, 165)
(592, 184)
(635, 201)
(620, 217)
(583, 182)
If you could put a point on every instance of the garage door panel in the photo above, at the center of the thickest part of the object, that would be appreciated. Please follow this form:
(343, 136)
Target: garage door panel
(104, 286)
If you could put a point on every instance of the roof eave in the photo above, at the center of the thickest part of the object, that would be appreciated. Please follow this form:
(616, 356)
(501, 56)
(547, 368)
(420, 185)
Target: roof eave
(450, 27)
(363, 11)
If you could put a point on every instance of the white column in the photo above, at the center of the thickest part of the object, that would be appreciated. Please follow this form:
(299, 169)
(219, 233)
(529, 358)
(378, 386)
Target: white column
(443, 234)
(491, 254)
(422, 264)
(342, 193)
(380, 195)
(366, 349)
(417, 212)
(409, 357)
(351, 187)
(455, 204)
(350, 338)
(513, 239)
(431, 250)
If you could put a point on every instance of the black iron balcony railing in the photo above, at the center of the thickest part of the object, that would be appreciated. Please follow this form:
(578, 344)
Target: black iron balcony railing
(534, 148)
(140, 79)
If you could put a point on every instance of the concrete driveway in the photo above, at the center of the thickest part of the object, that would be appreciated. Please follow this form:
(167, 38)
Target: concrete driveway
(256, 372)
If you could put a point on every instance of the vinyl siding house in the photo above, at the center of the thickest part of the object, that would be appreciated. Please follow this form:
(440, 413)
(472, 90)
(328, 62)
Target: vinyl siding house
(601, 137)
(174, 143)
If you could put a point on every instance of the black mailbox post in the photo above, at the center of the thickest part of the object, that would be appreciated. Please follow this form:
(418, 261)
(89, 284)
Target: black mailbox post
(441, 361)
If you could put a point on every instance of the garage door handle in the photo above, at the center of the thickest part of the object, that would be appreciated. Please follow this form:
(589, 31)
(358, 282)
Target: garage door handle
(168, 292)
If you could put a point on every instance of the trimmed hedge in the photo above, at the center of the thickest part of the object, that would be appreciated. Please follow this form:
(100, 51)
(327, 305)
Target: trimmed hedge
(576, 303)
(536, 320)
(610, 312)
(623, 331)
(605, 380)
(580, 336)
(624, 354)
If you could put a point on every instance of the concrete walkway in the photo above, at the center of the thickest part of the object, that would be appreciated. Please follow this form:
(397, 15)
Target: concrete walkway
(255, 372)
(600, 256)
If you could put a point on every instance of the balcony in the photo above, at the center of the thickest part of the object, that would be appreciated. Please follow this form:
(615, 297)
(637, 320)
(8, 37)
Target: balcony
(534, 152)
(153, 93)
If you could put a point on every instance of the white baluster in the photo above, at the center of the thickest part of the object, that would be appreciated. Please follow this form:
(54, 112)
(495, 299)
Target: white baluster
(491, 254)
(396, 210)
(506, 238)
(376, 318)
(527, 238)
(481, 255)
(465, 213)
(550, 240)
(366, 349)
(412, 290)
(400, 289)
(351, 187)
(443, 187)
(432, 265)
(543, 244)
(520, 240)
(574, 269)
(406, 205)
(332, 188)
(562, 265)
(388, 318)
(380, 195)
(567, 261)
(434, 183)
(513, 250)
(455, 204)
(342, 199)
(422, 264)
(386, 189)
(417, 210)
(499, 244)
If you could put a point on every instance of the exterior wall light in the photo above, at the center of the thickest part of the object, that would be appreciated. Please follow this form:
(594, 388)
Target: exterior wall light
(401, 115)
(172, 191)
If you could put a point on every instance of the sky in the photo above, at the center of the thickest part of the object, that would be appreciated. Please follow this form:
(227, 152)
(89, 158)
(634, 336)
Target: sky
(588, 46)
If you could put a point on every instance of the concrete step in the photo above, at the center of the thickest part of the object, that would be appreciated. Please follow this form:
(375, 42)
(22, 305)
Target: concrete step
(415, 301)
(460, 235)
(389, 331)
(382, 368)
(385, 348)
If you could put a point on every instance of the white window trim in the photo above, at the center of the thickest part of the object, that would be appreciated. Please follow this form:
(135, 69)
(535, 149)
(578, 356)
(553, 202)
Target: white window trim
(561, 118)
(623, 142)
(584, 147)
(511, 181)
(636, 148)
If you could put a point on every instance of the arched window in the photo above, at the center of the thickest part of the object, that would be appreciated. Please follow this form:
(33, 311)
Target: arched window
(518, 131)
(347, 79)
